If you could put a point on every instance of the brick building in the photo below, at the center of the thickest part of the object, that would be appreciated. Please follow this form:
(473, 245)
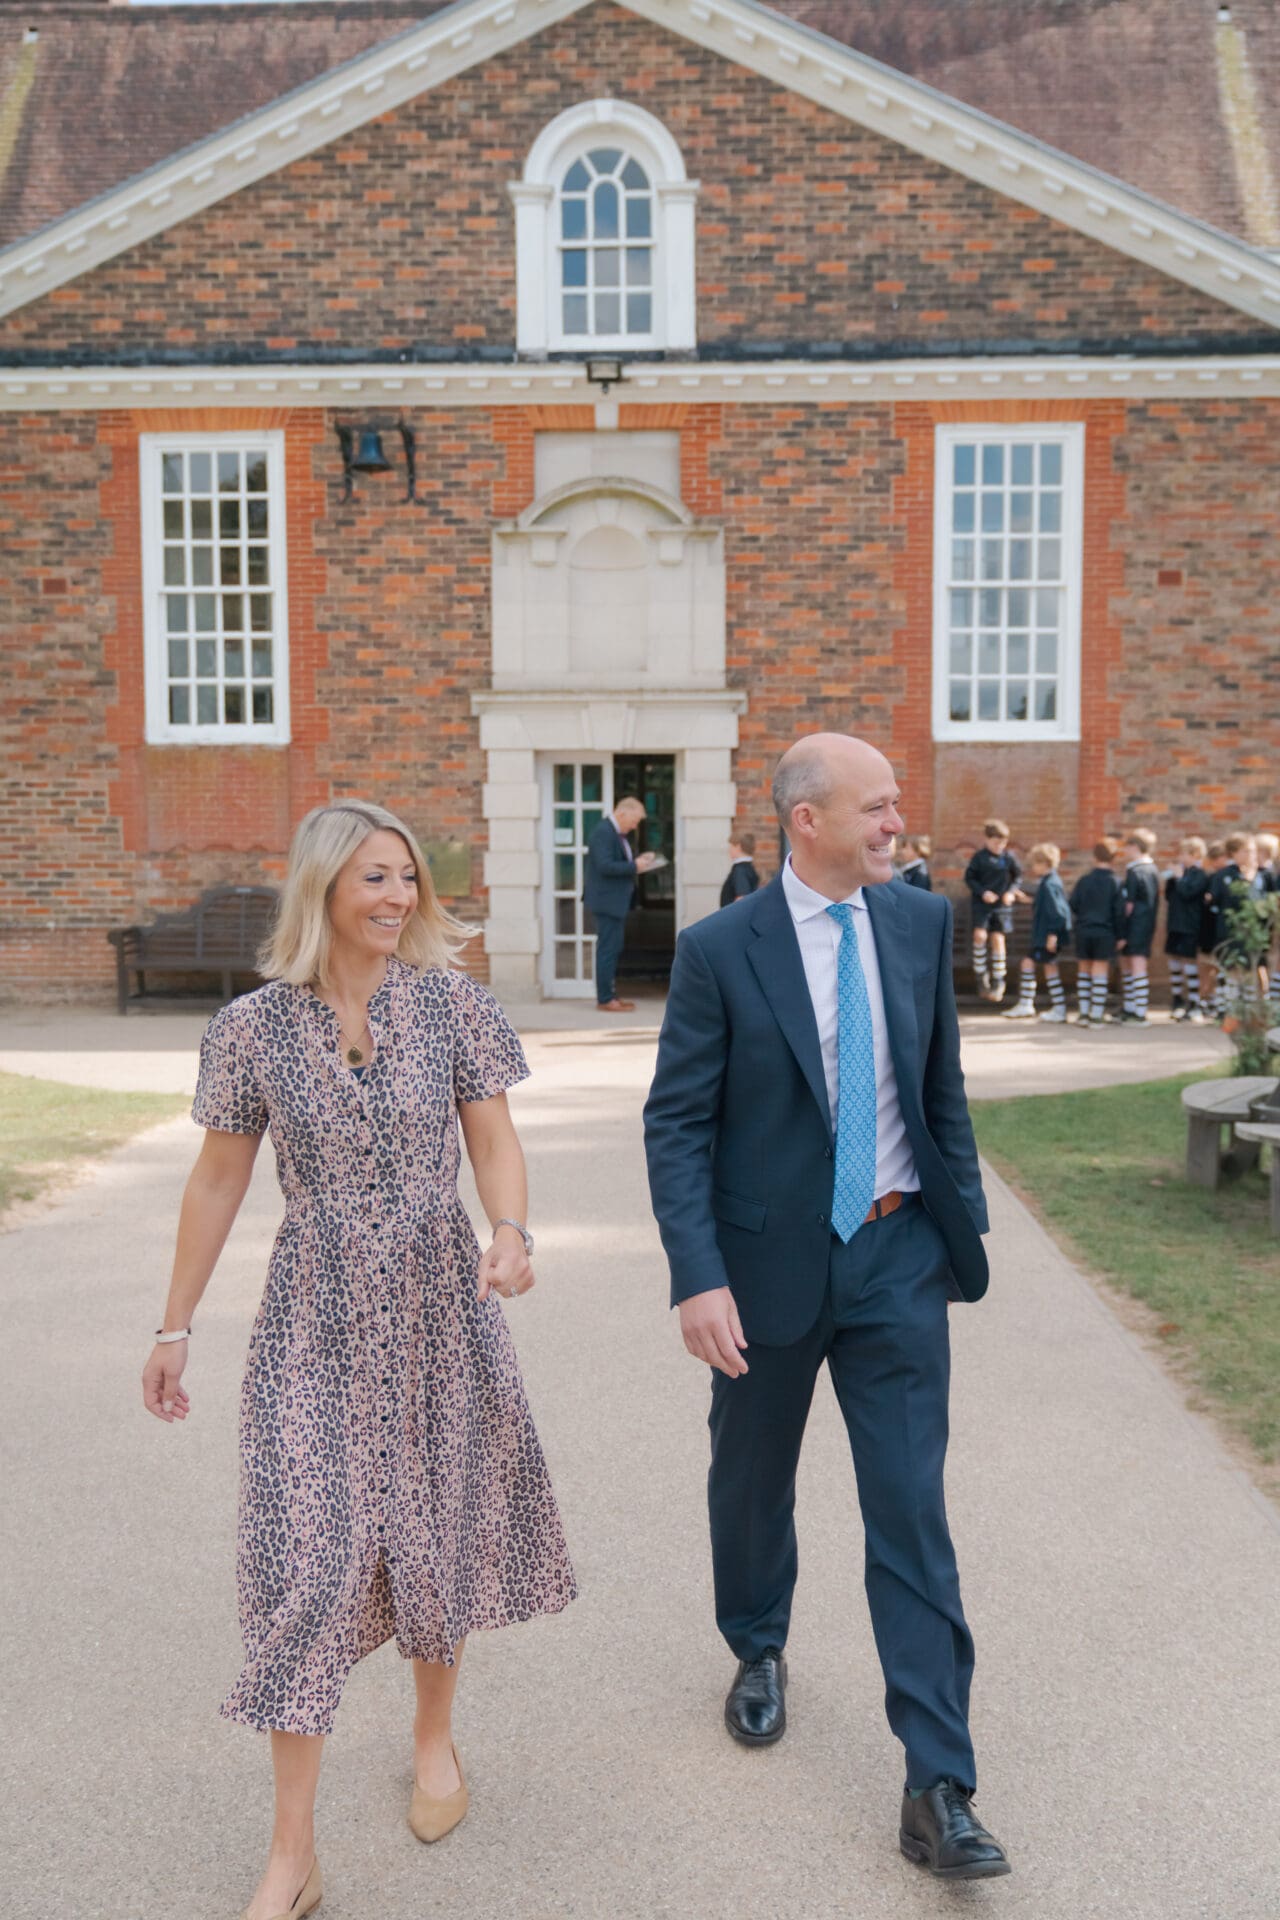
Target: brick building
(925, 428)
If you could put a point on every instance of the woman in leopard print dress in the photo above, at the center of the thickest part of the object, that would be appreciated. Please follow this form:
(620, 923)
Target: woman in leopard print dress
(392, 1484)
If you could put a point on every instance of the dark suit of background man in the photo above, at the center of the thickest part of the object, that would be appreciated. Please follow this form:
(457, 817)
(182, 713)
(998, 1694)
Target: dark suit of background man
(816, 1184)
(609, 888)
(742, 877)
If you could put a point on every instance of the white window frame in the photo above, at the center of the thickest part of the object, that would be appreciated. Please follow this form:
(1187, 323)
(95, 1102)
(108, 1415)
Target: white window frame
(1066, 725)
(160, 730)
(539, 312)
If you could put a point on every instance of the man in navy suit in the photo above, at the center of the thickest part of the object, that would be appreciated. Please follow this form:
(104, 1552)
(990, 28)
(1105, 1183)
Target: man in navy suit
(816, 1184)
(609, 888)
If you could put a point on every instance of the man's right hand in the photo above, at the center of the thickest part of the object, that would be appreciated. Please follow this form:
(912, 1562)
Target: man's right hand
(713, 1332)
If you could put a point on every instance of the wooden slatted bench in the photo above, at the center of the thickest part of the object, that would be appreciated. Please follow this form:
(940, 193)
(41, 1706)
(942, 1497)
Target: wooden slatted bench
(222, 933)
(1210, 1105)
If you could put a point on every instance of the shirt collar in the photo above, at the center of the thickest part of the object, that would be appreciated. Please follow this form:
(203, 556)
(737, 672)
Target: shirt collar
(804, 903)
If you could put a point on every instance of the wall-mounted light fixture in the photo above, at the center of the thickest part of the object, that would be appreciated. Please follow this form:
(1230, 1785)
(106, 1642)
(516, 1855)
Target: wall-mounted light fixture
(605, 374)
(362, 452)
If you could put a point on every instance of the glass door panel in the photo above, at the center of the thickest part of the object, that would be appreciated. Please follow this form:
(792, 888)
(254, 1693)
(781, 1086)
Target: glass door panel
(577, 794)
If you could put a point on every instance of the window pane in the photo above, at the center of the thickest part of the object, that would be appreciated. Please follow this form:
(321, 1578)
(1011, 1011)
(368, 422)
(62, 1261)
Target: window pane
(173, 528)
(634, 175)
(262, 659)
(990, 607)
(257, 566)
(988, 653)
(1021, 462)
(180, 706)
(575, 313)
(564, 783)
(233, 613)
(260, 612)
(573, 219)
(1018, 607)
(175, 608)
(992, 466)
(201, 473)
(1046, 699)
(962, 513)
(608, 267)
(202, 566)
(604, 159)
(993, 513)
(592, 784)
(229, 472)
(1051, 465)
(171, 463)
(1046, 607)
(202, 519)
(233, 706)
(1020, 559)
(257, 514)
(962, 559)
(230, 559)
(639, 218)
(566, 961)
(961, 653)
(639, 313)
(255, 472)
(1020, 511)
(233, 659)
(993, 559)
(566, 916)
(229, 519)
(1017, 653)
(962, 467)
(207, 706)
(575, 268)
(577, 180)
(960, 700)
(262, 706)
(566, 873)
(608, 313)
(1047, 653)
(1050, 559)
(962, 609)
(605, 202)
(206, 659)
(988, 699)
(591, 818)
(1017, 700)
(638, 266)
(179, 659)
(206, 608)
(175, 567)
(1050, 513)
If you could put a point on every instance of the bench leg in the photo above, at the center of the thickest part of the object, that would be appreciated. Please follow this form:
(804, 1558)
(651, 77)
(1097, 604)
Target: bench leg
(1204, 1158)
(1241, 1157)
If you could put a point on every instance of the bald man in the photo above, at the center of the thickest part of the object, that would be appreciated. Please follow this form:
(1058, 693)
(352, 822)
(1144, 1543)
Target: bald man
(816, 1184)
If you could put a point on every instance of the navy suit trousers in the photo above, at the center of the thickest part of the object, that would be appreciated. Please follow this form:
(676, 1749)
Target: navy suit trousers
(610, 930)
(884, 1335)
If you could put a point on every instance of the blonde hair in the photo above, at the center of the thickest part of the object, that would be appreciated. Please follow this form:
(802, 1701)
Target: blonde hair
(1267, 844)
(1143, 838)
(1045, 855)
(1193, 845)
(299, 945)
(922, 844)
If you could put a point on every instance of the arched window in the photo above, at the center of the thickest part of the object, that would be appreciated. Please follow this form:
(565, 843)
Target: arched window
(604, 234)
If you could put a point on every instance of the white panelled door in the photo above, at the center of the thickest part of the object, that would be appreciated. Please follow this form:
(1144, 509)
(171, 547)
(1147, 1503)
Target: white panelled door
(577, 792)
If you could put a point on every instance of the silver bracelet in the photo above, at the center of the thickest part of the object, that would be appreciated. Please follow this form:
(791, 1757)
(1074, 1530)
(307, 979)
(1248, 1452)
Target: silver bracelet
(164, 1339)
(523, 1231)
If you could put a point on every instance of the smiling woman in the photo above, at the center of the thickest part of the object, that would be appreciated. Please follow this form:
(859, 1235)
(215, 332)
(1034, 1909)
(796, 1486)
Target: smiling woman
(392, 1482)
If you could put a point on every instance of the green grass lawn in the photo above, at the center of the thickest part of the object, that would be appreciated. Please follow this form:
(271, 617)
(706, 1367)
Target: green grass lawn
(47, 1129)
(1104, 1171)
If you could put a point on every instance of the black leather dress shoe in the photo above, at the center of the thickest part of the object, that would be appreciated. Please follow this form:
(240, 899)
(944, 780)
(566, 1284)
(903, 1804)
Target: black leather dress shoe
(755, 1710)
(939, 1831)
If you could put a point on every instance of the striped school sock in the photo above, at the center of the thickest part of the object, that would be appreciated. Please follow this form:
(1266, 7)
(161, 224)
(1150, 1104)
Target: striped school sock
(1099, 996)
(1057, 993)
(979, 961)
(1141, 994)
(1027, 990)
(1193, 987)
(1177, 988)
(1130, 992)
(999, 965)
(1084, 991)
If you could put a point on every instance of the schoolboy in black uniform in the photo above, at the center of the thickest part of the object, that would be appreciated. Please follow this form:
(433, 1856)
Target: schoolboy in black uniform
(1050, 932)
(992, 879)
(1140, 897)
(742, 878)
(915, 870)
(1096, 910)
(1185, 885)
(1235, 848)
(1214, 861)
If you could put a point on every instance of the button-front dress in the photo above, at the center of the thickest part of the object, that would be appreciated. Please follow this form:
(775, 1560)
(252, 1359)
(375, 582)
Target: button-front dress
(392, 1483)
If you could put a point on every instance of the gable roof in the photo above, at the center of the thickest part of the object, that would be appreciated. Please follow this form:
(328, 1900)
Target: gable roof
(793, 52)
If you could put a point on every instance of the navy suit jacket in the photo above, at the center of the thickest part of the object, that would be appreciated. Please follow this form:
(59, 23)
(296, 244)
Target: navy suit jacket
(609, 877)
(739, 1140)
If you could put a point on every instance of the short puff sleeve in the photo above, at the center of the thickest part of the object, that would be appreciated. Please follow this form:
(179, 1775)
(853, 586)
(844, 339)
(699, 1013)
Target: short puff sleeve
(228, 1094)
(487, 1055)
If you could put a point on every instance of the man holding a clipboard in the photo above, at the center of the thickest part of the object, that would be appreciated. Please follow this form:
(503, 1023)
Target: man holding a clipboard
(609, 887)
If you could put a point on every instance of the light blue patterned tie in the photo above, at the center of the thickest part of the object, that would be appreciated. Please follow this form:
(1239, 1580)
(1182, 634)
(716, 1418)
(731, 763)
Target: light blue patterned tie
(855, 1186)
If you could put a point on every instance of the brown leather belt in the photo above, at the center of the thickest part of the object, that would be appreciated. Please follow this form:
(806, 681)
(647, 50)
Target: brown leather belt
(887, 1203)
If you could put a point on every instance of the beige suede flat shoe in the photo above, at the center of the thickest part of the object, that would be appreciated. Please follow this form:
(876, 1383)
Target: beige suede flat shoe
(430, 1819)
(308, 1899)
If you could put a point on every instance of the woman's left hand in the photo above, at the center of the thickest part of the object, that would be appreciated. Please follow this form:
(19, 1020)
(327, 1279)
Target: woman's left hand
(505, 1268)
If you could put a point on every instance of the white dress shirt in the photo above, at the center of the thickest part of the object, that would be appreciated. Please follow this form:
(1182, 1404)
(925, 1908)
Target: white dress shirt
(819, 937)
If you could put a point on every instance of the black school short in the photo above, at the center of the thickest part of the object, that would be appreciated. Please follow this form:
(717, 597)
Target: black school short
(1095, 943)
(1043, 957)
(992, 919)
(1181, 945)
(1138, 949)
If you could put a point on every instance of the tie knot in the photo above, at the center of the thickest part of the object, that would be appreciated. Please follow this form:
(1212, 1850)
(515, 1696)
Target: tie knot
(842, 913)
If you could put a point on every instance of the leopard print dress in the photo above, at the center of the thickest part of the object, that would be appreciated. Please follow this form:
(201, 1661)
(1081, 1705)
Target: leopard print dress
(392, 1484)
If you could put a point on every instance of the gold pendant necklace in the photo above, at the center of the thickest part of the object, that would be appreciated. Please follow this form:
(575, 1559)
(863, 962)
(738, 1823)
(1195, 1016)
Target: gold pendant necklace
(355, 1053)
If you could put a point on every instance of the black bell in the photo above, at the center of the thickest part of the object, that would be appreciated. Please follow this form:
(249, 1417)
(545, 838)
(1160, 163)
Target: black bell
(368, 456)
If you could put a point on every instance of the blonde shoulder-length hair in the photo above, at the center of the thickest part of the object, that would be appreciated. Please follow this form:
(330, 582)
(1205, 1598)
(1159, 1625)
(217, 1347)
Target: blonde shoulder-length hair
(299, 945)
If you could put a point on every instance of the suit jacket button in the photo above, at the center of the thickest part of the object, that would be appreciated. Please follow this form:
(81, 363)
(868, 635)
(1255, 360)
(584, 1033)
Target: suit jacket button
(826, 1153)
(822, 1219)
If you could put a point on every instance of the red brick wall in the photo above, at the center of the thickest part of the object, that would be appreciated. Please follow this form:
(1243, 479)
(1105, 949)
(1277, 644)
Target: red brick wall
(400, 237)
(827, 512)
